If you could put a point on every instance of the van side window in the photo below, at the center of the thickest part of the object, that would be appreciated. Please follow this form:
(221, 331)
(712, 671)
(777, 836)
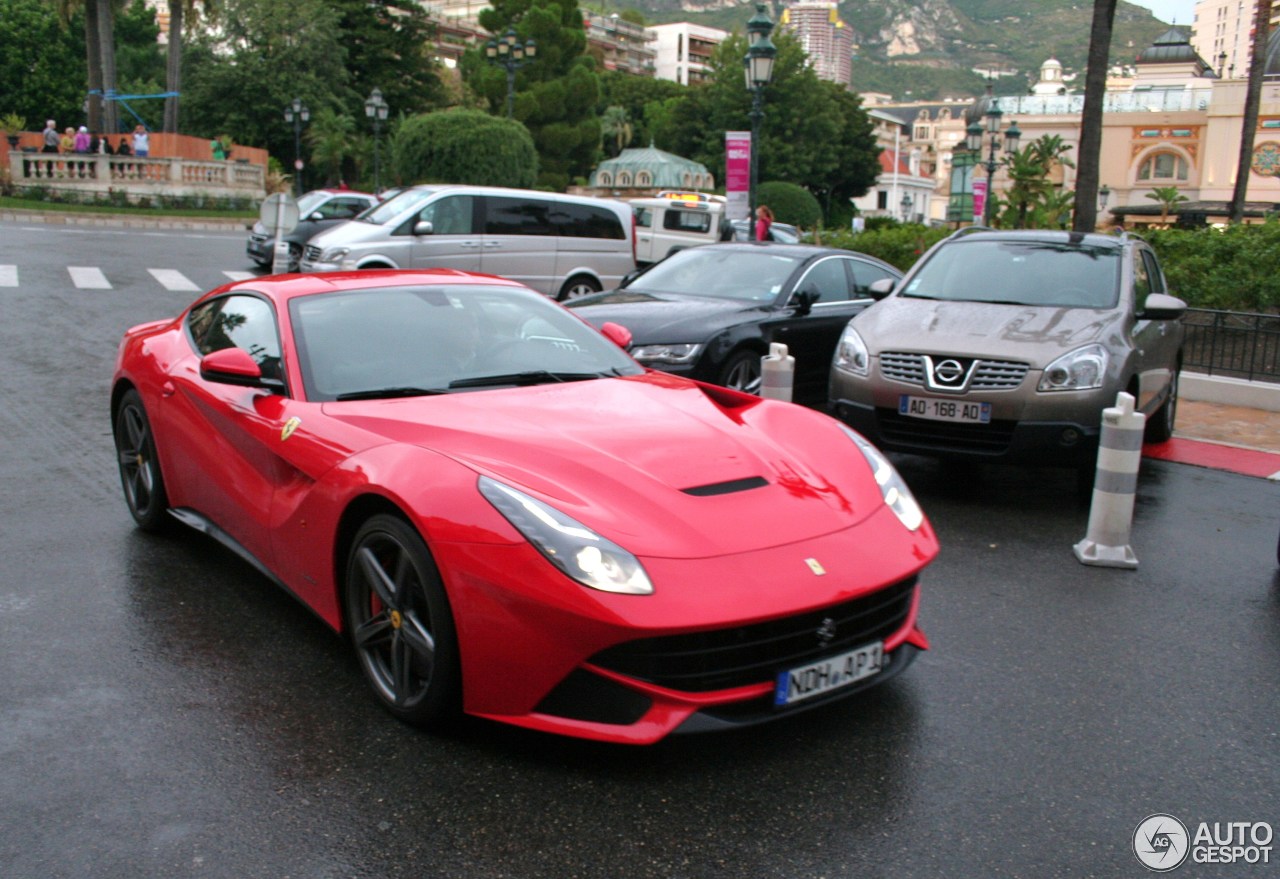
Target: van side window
(586, 221)
(687, 221)
(450, 215)
(516, 216)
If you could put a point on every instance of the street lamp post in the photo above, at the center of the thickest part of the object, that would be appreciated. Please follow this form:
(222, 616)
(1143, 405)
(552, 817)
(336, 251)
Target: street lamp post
(759, 70)
(297, 114)
(507, 51)
(376, 109)
(974, 136)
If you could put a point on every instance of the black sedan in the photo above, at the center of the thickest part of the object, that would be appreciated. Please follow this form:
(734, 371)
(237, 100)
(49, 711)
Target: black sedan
(711, 312)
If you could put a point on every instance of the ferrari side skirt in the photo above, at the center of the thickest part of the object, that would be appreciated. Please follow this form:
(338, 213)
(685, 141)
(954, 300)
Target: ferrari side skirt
(207, 526)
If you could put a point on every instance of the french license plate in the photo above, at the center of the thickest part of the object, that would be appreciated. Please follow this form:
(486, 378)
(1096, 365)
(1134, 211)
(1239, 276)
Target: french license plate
(944, 410)
(825, 675)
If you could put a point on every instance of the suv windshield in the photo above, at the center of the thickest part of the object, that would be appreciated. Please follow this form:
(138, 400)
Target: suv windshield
(753, 274)
(1061, 274)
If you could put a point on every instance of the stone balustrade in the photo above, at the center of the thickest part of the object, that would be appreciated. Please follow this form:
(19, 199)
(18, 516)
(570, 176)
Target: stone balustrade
(95, 174)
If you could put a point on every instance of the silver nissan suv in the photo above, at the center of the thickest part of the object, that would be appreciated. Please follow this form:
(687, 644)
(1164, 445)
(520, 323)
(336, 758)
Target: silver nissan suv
(1007, 345)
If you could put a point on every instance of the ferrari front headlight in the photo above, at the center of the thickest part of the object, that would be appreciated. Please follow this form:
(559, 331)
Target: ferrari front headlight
(893, 487)
(575, 549)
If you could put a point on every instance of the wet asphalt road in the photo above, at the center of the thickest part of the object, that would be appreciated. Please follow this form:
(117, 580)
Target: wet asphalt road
(165, 712)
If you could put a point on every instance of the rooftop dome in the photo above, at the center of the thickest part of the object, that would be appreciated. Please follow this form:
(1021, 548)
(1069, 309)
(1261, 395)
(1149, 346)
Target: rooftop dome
(1172, 47)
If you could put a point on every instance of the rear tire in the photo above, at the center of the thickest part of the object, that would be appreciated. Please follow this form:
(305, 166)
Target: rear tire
(140, 475)
(578, 285)
(1159, 427)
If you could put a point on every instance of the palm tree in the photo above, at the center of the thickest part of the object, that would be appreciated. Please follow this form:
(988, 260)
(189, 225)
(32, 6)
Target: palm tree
(1169, 198)
(616, 124)
(332, 139)
(1257, 70)
(1095, 89)
(178, 11)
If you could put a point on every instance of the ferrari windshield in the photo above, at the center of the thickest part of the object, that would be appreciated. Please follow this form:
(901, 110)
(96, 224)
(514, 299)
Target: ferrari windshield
(421, 340)
(1060, 274)
(753, 274)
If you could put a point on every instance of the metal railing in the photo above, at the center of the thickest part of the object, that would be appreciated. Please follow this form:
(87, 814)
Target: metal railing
(1232, 343)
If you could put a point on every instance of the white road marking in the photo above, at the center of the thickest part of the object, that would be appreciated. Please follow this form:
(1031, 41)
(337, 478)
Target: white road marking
(172, 279)
(8, 276)
(88, 278)
(240, 276)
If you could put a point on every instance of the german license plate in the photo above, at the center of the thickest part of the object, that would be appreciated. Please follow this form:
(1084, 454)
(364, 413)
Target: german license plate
(816, 678)
(944, 410)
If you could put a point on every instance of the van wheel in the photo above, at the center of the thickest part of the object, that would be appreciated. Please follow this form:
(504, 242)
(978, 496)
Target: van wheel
(578, 285)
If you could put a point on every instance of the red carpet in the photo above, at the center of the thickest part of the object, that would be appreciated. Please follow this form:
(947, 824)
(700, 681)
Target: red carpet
(1249, 462)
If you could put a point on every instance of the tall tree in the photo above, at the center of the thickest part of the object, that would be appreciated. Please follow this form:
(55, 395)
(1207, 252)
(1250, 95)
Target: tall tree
(107, 60)
(1095, 90)
(1253, 98)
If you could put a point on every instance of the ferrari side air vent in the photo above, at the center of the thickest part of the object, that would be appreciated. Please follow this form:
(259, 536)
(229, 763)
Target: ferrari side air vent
(733, 485)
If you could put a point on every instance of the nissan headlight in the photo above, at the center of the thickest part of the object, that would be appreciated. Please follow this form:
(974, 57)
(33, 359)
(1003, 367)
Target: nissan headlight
(682, 353)
(851, 353)
(575, 549)
(893, 488)
(1080, 370)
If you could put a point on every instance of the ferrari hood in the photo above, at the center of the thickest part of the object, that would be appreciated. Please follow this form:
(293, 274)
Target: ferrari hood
(665, 317)
(1028, 333)
(663, 466)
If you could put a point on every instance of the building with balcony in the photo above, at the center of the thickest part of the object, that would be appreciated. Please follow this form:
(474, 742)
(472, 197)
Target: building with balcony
(682, 51)
(620, 44)
(826, 39)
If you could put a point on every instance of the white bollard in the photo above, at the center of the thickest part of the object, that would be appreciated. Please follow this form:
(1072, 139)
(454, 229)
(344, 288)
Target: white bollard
(777, 373)
(1111, 513)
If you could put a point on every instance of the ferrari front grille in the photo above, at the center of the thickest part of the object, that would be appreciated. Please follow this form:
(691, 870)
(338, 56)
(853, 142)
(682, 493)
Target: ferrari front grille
(734, 657)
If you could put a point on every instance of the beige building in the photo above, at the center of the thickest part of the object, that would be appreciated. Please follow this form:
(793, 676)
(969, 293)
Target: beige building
(1176, 123)
(825, 38)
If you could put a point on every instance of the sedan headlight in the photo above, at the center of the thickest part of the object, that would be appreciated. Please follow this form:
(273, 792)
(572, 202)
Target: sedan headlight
(334, 254)
(1079, 370)
(572, 547)
(851, 354)
(893, 488)
(683, 353)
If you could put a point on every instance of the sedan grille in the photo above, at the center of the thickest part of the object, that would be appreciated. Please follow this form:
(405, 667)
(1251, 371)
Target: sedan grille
(725, 658)
(984, 375)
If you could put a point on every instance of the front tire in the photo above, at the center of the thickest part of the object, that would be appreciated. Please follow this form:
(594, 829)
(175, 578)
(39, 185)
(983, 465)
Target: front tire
(140, 475)
(400, 623)
(1159, 427)
(742, 372)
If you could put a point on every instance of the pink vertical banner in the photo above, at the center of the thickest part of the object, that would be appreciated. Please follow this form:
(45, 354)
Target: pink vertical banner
(979, 199)
(737, 174)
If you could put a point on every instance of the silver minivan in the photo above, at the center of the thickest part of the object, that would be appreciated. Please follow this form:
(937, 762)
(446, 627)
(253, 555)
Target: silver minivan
(563, 245)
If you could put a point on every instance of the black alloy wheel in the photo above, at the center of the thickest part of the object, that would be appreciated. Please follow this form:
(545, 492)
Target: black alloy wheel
(400, 623)
(140, 475)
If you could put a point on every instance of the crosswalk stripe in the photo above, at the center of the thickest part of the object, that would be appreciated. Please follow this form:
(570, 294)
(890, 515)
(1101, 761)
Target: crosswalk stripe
(240, 276)
(8, 276)
(172, 279)
(88, 278)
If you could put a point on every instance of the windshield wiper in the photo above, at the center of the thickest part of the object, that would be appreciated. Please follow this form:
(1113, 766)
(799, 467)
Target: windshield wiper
(387, 393)
(529, 377)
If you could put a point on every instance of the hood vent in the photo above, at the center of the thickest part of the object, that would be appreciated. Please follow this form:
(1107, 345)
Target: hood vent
(730, 487)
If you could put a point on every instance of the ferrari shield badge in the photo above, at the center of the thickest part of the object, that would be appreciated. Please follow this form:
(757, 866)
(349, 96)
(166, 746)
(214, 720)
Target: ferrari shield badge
(289, 427)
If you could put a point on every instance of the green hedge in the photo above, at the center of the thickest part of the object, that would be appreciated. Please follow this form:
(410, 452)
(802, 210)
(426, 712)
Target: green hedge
(899, 245)
(1233, 269)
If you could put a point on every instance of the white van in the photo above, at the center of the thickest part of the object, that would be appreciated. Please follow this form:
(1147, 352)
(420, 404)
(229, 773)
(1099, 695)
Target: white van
(675, 220)
(563, 245)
